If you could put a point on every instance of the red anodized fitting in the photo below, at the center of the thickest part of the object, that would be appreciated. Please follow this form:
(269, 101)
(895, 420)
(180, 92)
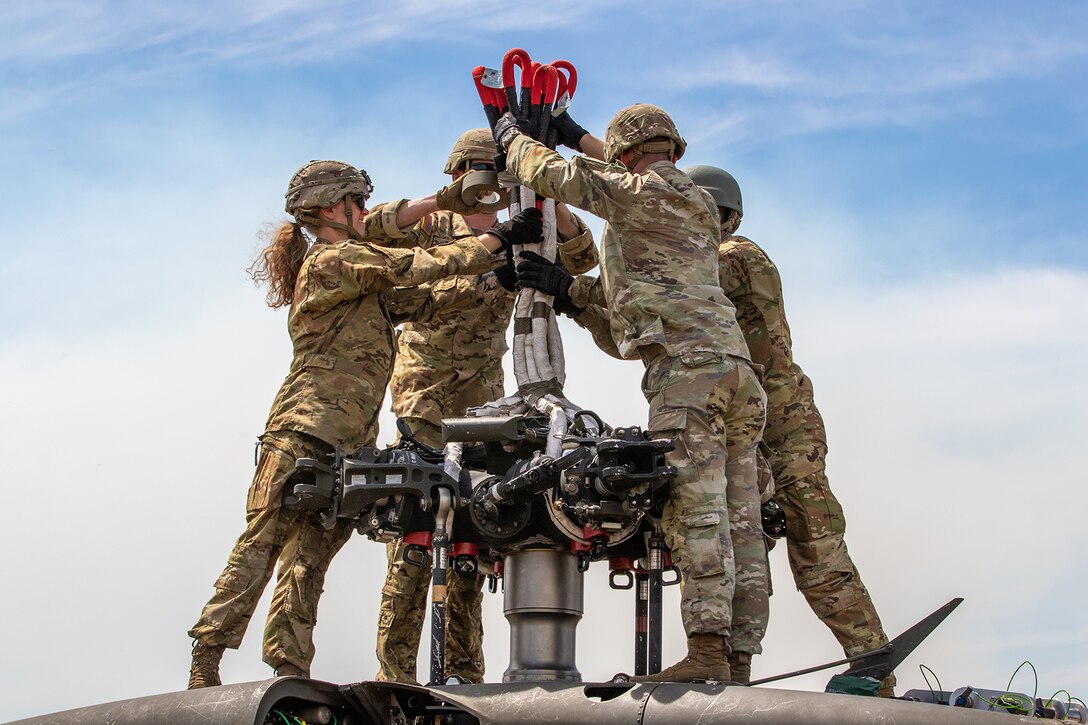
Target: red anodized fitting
(621, 563)
(419, 538)
(466, 548)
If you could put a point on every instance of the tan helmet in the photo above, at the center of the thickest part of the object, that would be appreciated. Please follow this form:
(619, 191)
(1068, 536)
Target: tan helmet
(475, 144)
(322, 184)
(635, 125)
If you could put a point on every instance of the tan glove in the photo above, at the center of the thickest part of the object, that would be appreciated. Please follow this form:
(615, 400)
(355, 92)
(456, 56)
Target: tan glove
(476, 192)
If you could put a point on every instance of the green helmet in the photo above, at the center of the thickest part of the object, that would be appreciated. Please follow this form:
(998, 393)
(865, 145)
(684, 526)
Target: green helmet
(476, 144)
(635, 125)
(721, 185)
(322, 184)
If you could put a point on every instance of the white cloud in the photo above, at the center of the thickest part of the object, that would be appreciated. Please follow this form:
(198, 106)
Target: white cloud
(817, 69)
(287, 30)
(737, 67)
(846, 54)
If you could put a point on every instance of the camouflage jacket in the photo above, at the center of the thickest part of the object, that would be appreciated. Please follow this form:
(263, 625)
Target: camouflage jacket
(470, 332)
(343, 336)
(659, 252)
(795, 431)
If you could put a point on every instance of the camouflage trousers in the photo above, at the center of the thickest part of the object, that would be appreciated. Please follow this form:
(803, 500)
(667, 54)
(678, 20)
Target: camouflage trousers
(404, 604)
(400, 621)
(301, 545)
(428, 384)
(821, 565)
(715, 410)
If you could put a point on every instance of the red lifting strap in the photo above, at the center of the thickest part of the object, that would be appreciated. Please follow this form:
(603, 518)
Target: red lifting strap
(568, 82)
(545, 83)
(520, 58)
(484, 91)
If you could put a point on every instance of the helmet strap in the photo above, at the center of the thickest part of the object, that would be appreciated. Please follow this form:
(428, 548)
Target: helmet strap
(315, 222)
(351, 226)
(650, 147)
(658, 147)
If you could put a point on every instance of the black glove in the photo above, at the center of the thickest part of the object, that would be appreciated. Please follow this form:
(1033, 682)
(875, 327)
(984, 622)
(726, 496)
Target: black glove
(550, 278)
(507, 276)
(509, 126)
(525, 227)
(570, 133)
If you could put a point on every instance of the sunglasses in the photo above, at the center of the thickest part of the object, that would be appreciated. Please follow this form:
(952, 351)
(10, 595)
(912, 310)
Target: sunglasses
(478, 166)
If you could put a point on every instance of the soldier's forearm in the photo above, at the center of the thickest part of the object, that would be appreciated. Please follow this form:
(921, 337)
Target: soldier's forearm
(470, 256)
(565, 223)
(413, 210)
(490, 241)
(541, 169)
(592, 147)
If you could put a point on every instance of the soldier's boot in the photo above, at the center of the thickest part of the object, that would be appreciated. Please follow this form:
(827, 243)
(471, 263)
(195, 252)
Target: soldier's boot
(706, 660)
(740, 667)
(204, 671)
(286, 669)
(887, 686)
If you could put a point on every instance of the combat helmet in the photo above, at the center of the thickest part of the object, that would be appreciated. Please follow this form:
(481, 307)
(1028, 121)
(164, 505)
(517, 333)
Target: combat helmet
(634, 126)
(721, 185)
(476, 144)
(321, 184)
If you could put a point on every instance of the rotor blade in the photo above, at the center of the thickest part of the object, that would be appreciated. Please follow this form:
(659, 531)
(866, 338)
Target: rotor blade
(880, 666)
(881, 661)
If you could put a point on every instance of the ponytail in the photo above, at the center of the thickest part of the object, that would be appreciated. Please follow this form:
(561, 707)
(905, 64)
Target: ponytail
(279, 263)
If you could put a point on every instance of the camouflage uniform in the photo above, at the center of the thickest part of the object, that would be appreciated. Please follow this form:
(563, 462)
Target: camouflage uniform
(343, 356)
(797, 444)
(660, 294)
(445, 365)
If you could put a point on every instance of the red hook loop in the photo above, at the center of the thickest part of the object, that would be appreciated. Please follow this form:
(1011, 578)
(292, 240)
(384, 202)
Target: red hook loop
(568, 82)
(545, 84)
(520, 58)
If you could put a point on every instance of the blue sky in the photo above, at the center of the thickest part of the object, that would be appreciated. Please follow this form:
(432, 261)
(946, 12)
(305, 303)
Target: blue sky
(917, 171)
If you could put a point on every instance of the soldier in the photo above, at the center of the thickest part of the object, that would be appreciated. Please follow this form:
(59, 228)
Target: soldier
(445, 365)
(659, 293)
(343, 356)
(794, 438)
